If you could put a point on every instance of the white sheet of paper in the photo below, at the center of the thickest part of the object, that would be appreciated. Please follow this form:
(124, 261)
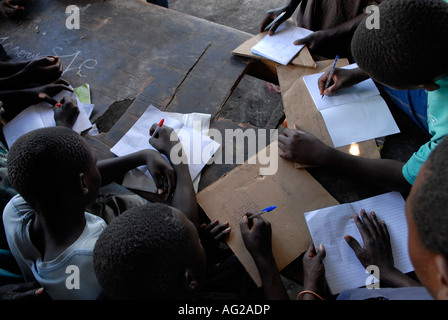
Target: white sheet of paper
(137, 179)
(198, 147)
(42, 116)
(362, 90)
(359, 121)
(280, 47)
(354, 114)
(328, 226)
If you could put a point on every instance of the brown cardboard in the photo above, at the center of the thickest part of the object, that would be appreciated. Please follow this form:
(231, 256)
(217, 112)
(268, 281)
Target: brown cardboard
(303, 58)
(293, 191)
(300, 109)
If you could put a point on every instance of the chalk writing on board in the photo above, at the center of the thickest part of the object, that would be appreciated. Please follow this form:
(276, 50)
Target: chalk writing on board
(73, 61)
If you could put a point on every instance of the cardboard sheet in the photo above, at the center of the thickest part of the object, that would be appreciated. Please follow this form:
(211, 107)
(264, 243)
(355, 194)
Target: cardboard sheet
(293, 191)
(303, 58)
(300, 109)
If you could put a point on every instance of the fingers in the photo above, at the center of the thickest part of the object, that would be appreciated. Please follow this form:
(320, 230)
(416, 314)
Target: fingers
(304, 41)
(217, 230)
(171, 181)
(46, 98)
(354, 244)
(311, 252)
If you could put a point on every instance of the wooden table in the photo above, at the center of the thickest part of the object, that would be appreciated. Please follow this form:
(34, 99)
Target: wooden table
(134, 52)
(137, 52)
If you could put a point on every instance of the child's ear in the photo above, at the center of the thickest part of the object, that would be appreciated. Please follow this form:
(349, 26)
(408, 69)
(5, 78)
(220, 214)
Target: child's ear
(83, 184)
(442, 277)
(190, 282)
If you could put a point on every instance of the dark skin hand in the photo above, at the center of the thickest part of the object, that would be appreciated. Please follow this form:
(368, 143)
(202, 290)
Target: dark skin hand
(342, 78)
(159, 168)
(302, 147)
(22, 291)
(9, 8)
(319, 40)
(184, 197)
(377, 250)
(257, 237)
(314, 272)
(31, 73)
(15, 101)
(274, 13)
(67, 113)
(212, 235)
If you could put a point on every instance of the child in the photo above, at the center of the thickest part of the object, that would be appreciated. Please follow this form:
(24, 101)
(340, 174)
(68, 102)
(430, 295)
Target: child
(47, 229)
(428, 240)
(30, 82)
(401, 54)
(333, 23)
(154, 251)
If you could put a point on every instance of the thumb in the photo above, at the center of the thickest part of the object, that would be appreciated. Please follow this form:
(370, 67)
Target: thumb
(321, 253)
(353, 243)
(304, 41)
(296, 128)
(46, 98)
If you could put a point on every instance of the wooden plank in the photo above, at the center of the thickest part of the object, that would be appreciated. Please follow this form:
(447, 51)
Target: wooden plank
(129, 48)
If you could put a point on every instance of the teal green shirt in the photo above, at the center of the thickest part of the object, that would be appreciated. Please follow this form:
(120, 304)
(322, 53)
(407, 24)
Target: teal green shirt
(437, 126)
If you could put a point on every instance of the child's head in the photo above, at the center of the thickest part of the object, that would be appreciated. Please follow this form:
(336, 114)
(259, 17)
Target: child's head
(408, 50)
(52, 169)
(149, 252)
(427, 216)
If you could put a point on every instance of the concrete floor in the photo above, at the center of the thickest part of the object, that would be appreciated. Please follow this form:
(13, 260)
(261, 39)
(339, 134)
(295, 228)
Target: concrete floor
(252, 101)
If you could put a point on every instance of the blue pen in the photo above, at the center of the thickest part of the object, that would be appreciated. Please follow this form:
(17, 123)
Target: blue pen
(330, 75)
(268, 209)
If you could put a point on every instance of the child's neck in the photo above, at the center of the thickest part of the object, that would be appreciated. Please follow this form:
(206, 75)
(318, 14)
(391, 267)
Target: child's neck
(52, 238)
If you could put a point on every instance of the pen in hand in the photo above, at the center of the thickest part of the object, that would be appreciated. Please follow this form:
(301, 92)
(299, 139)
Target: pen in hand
(327, 84)
(268, 209)
(275, 20)
(158, 127)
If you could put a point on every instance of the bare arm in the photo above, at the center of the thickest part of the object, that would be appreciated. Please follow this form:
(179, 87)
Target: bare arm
(184, 197)
(304, 148)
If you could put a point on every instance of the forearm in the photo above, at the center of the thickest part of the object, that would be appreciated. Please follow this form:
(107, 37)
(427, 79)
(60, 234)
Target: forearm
(272, 284)
(385, 173)
(8, 69)
(184, 197)
(113, 168)
(396, 279)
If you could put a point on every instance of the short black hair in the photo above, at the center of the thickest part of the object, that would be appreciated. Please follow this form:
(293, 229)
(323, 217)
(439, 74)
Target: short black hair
(43, 163)
(409, 48)
(141, 252)
(429, 208)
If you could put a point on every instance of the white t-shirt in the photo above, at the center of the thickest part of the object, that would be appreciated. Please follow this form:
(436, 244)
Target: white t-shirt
(71, 275)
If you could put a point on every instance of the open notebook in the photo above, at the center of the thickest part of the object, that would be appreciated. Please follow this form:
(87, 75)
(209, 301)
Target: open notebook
(328, 226)
(280, 47)
(199, 148)
(353, 114)
(42, 116)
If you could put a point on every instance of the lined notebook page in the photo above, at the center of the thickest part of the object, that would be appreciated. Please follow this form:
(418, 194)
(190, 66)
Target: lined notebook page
(362, 90)
(328, 226)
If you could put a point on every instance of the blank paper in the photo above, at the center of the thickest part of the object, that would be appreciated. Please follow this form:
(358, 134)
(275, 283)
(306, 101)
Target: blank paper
(280, 46)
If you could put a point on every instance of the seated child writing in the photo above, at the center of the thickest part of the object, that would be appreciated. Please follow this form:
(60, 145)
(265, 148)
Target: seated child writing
(47, 229)
(154, 251)
(401, 55)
